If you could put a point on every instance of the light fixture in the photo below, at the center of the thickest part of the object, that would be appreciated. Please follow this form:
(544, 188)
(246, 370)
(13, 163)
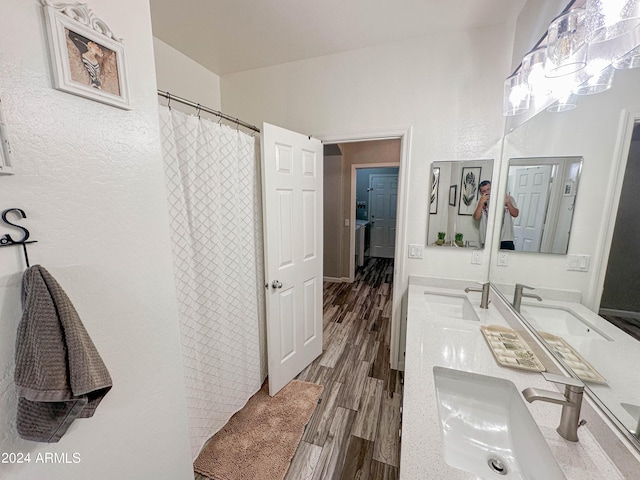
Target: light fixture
(517, 96)
(565, 103)
(608, 19)
(600, 79)
(580, 51)
(533, 71)
(566, 50)
(630, 60)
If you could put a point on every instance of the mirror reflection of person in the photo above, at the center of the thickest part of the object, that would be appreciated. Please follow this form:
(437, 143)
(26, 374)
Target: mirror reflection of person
(481, 212)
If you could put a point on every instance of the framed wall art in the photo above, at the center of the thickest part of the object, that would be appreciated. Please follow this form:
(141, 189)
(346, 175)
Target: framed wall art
(469, 190)
(453, 195)
(5, 147)
(435, 181)
(86, 57)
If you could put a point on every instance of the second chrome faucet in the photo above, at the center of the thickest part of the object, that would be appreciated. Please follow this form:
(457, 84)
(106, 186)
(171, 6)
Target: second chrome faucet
(518, 294)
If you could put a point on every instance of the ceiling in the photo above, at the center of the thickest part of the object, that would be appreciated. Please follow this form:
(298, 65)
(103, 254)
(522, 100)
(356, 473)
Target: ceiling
(228, 36)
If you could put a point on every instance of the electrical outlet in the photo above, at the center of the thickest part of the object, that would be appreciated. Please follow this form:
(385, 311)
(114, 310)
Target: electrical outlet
(503, 259)
(415, 251)
(476, 257)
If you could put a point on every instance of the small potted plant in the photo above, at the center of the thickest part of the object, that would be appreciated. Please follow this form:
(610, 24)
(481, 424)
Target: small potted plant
(459, 240)
(441, 236)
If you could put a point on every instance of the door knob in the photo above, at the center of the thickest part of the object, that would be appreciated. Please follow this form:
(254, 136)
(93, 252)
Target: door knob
(276, 284)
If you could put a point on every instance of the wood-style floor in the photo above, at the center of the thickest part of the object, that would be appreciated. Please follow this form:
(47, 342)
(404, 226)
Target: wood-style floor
(354, 431)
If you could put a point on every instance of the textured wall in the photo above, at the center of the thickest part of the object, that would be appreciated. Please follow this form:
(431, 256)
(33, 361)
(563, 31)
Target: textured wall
(90, 178)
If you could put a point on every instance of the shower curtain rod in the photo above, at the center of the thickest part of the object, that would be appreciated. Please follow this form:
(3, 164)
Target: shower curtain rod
(198, 107)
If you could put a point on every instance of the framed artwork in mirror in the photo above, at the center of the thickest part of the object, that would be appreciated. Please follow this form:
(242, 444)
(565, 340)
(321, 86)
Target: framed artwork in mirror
(435, 181)
(453, 195)
(469, 182)
(86, 57)
(5, 147)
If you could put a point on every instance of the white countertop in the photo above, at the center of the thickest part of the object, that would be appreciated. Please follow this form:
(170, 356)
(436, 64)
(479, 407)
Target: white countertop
(623, 383)
(460, 345)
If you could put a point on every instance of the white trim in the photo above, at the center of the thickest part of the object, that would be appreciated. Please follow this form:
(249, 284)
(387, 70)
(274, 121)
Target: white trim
(627, 122)
(398, 311)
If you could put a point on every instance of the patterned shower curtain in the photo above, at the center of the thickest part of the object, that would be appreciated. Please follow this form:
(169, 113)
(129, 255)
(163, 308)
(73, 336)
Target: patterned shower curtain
(214, 201)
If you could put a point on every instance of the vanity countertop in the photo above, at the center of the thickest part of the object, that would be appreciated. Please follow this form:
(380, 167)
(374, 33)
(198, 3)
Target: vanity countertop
(459, 344)
(622, 384)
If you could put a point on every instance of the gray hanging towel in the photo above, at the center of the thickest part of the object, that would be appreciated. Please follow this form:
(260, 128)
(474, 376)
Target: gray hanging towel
(59, 374)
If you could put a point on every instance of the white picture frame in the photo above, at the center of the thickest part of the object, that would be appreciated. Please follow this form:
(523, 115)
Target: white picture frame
(86, 57)
(6, 168)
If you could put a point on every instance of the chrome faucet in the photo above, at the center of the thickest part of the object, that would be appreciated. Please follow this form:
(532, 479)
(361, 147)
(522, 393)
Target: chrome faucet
(518, 294)
(484, 301)
(571, 402)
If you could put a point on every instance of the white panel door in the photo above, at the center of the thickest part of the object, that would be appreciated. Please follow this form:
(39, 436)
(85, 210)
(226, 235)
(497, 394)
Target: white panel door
(292, 203)
(383, 200)
(531, 192)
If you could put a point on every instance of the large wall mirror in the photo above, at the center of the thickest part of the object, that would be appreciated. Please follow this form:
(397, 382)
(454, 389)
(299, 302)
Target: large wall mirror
(601, 153)
(542, 193)
(454, 195)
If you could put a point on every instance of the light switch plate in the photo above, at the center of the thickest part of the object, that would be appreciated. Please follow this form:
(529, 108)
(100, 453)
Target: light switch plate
(415, 250)
(578, 263)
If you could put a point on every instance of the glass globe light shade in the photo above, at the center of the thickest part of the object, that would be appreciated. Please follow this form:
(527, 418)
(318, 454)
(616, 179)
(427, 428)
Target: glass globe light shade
(566, 50)
(533, 71)
(630, 60)
(608, 19)
(600, 79)
(563, 104)
(517, 97)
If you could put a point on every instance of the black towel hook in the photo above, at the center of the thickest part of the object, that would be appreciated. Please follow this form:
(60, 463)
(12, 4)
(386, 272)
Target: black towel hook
(7, 241)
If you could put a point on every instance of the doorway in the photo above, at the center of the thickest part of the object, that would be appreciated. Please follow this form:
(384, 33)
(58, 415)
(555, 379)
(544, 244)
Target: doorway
(620, 303)
(376, 205)
(361, 151)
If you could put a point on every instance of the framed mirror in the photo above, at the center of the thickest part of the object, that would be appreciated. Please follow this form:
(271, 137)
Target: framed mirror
(539, 204)
(600, 152)
(454, 194)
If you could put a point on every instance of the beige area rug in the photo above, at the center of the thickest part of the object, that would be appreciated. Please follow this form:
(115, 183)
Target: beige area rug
(259, 441)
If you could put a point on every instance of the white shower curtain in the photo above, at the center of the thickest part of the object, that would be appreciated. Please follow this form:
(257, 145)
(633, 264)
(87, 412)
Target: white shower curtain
(213, 189)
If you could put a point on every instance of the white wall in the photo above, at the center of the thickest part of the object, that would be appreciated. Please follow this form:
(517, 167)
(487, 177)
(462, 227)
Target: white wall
(89, 177)
(179, 75)
(448, 88)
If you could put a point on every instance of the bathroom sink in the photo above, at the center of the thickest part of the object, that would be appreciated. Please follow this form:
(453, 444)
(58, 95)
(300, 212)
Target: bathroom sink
(560, 321)
(487, 429)
(449, 305)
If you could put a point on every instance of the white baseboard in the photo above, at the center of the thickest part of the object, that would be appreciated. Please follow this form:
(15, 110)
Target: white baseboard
(336, 279)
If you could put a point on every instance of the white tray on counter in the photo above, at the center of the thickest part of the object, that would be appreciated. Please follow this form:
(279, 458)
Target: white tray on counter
(583, 369)
(510, 349)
